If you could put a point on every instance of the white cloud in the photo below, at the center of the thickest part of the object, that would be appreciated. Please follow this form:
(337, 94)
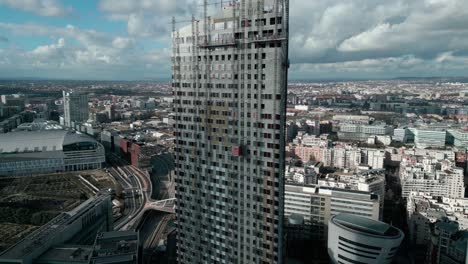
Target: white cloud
(49, 50)
(148, 18)
(51, 8)
(339, 30)
(82, 54)
(122, 43)
(327, 38)
(444, 64)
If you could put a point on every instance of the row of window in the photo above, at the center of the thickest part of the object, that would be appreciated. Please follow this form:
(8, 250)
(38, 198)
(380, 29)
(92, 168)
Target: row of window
(223, 95)
(246, 76)
(214, 85)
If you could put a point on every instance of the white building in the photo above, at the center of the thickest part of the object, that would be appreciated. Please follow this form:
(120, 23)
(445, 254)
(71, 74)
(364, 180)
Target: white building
(301, 107)
(48, 151)
(76, 226)
(460, 138)
(75, 107)
(361, 132)
(351, 119)
(317, 204)
(346, 157)
(431, 176)
(424, 138)
(368, 181)
(355, 239)
(400, 135)
(423, 210)
(375, 158)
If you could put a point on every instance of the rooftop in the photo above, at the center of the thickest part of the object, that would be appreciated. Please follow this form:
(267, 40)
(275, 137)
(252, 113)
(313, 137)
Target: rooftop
(366, 225)
(46, 140)
(52, 229)
(67, 253)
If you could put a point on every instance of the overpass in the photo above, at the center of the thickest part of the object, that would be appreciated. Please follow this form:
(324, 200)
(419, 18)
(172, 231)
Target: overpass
(167, 205)
(145, 188)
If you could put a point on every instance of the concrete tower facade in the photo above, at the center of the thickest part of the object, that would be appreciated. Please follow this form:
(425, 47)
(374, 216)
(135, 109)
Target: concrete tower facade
(75, 107)
(230, 86)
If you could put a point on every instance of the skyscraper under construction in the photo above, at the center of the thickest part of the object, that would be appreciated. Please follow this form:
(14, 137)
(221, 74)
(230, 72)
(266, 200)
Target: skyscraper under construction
(229, 82)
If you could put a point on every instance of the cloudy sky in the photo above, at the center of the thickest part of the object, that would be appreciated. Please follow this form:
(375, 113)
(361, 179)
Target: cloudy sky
(129, 39)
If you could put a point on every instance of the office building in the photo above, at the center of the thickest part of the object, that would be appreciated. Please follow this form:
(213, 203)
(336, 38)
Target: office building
(113, 247)
(48, 151)
(78, 226)
(111, 112)
(351, 119)
(425, 138)
(460, 138)
(404, 135)
(356, 239)
(229, 83)
(372, 181)
(400, 135)
(360, 132)
(315, 205)
(75, 107)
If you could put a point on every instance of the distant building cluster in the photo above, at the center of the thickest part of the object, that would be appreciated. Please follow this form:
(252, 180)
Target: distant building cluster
(410, 138)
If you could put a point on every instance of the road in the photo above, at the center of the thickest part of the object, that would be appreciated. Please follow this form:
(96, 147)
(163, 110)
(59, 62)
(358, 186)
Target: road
(133, 199)
(137, 189)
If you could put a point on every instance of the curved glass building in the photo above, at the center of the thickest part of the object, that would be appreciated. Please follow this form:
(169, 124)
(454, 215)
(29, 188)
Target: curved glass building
(49, 151)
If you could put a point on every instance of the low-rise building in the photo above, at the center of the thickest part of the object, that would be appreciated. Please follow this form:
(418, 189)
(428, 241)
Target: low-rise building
(359, 132)
(77, 226)
(116, 247)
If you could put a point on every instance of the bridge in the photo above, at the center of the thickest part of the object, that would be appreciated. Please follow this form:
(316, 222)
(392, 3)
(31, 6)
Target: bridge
(133, 178)
(167, 205)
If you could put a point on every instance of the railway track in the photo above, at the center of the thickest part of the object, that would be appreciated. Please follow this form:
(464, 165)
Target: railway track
(158, 232)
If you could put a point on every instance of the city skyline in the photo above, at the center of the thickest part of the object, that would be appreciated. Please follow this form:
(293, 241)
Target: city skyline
(351, 148)
(130, 40)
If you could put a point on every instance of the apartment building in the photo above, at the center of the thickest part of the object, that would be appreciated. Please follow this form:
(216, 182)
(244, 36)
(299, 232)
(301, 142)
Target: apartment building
(229, 82)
